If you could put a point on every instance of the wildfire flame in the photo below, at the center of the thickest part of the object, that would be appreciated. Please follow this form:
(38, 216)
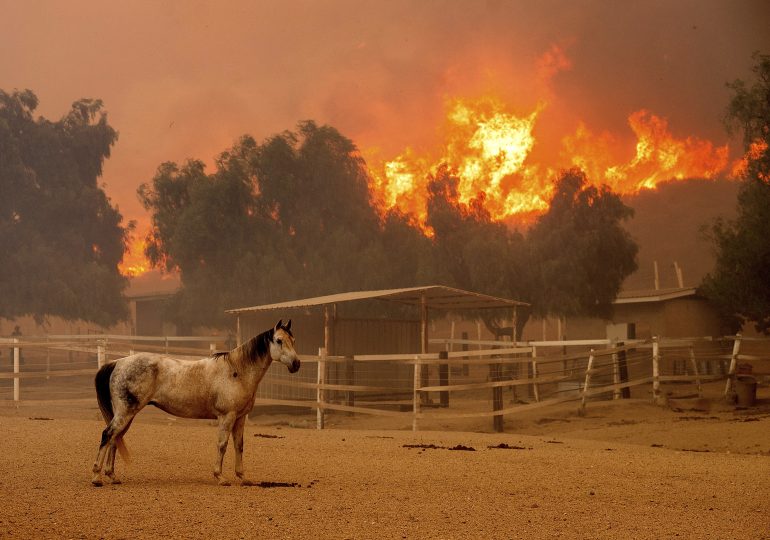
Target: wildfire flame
(489, 150)
(756, 151)
(134, 262)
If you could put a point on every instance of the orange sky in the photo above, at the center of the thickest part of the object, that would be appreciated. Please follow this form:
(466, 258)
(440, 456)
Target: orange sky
(184, 79)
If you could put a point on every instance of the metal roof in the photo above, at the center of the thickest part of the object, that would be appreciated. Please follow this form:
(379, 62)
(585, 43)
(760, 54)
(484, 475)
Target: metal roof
(654, 295)
(436, 297)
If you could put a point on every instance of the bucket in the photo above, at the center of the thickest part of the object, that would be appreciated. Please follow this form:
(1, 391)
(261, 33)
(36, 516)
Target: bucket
(745, 391)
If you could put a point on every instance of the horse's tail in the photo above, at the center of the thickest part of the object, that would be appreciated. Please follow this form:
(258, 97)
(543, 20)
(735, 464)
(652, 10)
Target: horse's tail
(104, 398)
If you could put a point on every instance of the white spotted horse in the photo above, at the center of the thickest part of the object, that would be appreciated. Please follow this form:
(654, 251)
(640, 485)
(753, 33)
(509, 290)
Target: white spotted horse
(220, 387)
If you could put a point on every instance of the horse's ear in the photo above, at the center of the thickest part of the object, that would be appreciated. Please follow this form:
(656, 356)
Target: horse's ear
(278, 325)
(288, 325)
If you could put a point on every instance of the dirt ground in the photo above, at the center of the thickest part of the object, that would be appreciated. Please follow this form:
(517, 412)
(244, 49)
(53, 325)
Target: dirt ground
(628, 469)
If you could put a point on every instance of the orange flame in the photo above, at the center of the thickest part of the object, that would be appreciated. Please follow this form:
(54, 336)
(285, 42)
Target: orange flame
(756, 151)
(134, 262)
(489, 150)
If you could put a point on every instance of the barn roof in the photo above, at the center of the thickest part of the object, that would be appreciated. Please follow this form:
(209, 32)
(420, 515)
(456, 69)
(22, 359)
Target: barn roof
(436, 297)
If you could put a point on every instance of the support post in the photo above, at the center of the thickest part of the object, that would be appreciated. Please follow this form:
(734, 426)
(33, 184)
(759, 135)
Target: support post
(16, 366)
(587, 383)
(320, 380)
(733, 364)
(424, 375)
(695, 370)
(656, 370)
(678, 270)
(212, 348)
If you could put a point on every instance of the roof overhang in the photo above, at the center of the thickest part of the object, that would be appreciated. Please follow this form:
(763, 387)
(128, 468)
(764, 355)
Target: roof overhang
(653, 295)
(434, 296)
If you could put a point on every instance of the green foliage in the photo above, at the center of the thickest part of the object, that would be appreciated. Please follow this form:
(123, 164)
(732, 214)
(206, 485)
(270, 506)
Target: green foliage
(578, 251)
(740, 283)
(60, 236)
(289, 218)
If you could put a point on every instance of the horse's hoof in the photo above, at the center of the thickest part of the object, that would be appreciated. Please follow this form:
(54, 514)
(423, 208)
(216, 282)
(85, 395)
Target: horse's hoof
(97, 482)
(223, 482)
(115, 481)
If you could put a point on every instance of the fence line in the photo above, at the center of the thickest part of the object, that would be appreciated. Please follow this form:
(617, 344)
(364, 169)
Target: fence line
(535, 374)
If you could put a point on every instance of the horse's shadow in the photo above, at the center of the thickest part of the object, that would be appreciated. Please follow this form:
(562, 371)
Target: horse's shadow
(176, 482)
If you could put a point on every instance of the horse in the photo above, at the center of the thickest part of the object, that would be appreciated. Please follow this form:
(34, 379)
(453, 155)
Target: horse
(221, 387)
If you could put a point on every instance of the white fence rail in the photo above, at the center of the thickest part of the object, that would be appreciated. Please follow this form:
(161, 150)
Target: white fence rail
(491, 379)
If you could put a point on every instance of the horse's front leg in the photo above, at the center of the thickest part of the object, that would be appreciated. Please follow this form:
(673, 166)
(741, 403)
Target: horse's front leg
(226, 422)
(238, 428)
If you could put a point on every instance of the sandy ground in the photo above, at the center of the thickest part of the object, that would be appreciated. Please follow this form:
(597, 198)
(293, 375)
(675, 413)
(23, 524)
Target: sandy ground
(626, 470)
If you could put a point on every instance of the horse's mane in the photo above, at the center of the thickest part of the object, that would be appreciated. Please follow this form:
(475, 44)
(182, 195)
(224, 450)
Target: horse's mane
(256, 347)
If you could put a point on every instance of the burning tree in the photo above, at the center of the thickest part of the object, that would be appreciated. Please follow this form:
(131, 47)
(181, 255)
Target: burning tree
(740, 282)
(60, 236)
(572, 261)
(287, 218)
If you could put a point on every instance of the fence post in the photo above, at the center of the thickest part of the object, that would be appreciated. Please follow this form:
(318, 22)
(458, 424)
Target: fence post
(655, 370)
(695, 370)
(416, 392)
(212, 348)
(495, 374)
(443, 379)
(47, 358)
(350, 378)
(733, 364)
(615, 370)
(100, 354)
(16, 362)
(587, 383)
(535, 388)
(321, 380)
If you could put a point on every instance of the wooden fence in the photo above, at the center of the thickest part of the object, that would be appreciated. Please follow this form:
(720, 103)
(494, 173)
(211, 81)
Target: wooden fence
(77, 357)
(468, 379)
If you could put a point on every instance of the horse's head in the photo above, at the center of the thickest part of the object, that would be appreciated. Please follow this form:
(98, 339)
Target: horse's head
(282, 346)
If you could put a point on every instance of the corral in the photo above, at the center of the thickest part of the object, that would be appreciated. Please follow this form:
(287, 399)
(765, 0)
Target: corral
(573, 461)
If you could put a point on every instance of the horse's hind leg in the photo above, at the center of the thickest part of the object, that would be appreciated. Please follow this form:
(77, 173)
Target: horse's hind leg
(238, 444)
(105, 458)
(226, 423)
(109, 467)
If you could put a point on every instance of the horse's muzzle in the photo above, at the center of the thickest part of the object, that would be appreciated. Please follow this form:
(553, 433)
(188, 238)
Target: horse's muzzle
(294, 367)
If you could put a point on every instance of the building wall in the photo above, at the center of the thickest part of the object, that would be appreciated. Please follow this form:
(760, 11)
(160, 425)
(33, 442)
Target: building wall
(687, 317)
(679, 317)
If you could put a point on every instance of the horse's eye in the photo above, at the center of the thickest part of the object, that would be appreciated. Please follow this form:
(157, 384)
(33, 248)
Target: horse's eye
(279, 341)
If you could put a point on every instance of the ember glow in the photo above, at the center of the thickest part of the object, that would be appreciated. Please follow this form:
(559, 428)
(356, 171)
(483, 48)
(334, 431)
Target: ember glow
(489, 149)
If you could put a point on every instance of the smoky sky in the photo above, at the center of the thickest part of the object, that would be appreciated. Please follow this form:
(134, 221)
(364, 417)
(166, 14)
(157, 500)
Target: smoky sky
(184, 79)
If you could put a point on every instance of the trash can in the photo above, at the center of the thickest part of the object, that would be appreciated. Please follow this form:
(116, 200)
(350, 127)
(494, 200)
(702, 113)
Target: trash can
(745, 390)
